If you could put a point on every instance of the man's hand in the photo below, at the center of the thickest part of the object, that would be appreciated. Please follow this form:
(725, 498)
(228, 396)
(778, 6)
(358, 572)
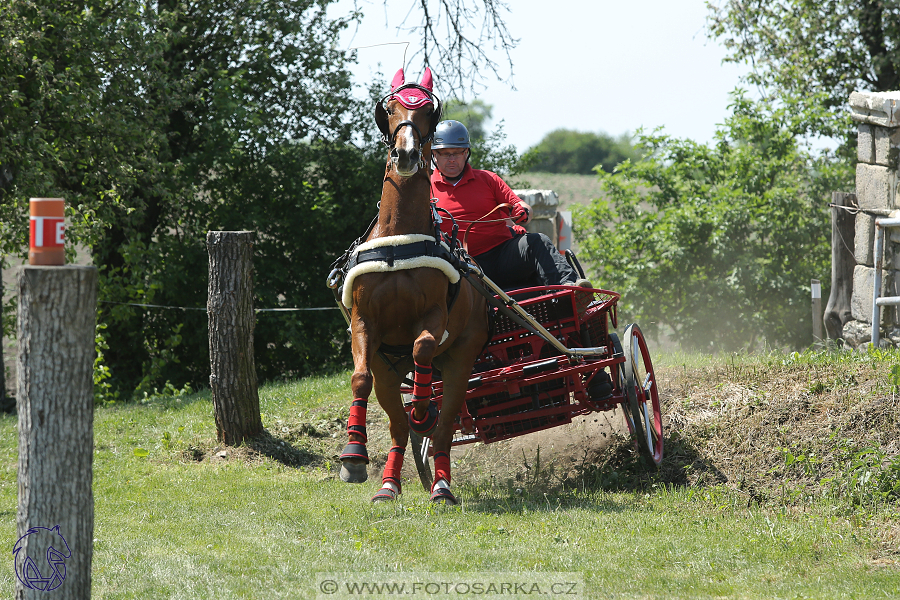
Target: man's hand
(524, 217)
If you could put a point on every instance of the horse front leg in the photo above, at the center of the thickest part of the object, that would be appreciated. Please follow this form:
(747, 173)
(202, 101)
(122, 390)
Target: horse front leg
(423, 418)
(355, 457)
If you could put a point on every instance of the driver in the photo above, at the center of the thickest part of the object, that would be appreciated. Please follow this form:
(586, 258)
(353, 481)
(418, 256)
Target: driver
(509, 256)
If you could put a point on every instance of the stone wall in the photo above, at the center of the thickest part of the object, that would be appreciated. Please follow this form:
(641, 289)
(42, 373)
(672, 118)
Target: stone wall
(877, 115)
(544, 206)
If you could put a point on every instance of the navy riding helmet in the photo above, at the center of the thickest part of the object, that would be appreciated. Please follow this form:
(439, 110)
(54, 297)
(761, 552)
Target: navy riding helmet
(450, 134)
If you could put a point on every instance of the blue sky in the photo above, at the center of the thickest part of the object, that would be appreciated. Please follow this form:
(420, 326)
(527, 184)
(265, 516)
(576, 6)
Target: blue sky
(586, 65)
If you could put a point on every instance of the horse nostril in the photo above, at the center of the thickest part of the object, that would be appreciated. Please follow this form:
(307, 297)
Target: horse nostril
(414, 156)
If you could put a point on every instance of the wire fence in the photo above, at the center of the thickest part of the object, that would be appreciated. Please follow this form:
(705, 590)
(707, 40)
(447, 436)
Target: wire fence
(11, 289)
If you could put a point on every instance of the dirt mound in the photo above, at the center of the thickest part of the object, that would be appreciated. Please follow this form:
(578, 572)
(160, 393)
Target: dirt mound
(783, 428)
(778, 430)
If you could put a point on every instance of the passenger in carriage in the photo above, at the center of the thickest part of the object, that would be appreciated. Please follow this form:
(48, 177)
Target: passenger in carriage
(509, 256)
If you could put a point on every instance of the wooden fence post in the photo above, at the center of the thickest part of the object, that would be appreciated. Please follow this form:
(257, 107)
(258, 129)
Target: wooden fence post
(55, 395)
(843, 231)
(229, 305)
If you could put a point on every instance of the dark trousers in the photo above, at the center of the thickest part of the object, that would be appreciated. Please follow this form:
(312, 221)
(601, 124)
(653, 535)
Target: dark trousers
(526, 260)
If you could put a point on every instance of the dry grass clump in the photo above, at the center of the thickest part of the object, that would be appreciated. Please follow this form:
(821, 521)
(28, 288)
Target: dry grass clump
(796, 425)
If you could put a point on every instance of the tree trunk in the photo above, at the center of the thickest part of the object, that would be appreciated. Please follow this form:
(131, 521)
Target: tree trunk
(54, 374)
(843, 231)
(232, 376)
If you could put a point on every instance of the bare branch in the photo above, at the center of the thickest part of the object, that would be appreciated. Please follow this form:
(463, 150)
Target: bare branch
(459, 41)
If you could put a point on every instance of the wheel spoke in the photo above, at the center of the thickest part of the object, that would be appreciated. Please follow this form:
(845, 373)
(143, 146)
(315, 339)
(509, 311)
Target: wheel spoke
(648, 385)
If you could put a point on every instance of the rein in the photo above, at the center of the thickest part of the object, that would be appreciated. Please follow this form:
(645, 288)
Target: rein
(481, 220)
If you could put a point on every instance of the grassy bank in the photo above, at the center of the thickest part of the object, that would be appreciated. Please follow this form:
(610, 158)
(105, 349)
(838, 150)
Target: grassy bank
(179, 517)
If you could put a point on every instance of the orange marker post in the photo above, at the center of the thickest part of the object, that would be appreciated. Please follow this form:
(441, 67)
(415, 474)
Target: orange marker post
(48, 230)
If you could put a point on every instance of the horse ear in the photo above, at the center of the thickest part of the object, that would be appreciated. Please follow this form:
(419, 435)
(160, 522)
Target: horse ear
(427, 80)
(381, 118)
(436, 114)
(398, 80)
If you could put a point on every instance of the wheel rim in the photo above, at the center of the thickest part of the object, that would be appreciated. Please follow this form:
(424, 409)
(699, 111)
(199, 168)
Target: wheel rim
(643, 394)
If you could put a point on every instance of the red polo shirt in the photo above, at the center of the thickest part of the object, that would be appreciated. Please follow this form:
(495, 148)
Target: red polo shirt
(475, 194)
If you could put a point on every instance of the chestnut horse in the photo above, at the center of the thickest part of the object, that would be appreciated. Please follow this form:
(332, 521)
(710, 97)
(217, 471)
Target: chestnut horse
(409, 307)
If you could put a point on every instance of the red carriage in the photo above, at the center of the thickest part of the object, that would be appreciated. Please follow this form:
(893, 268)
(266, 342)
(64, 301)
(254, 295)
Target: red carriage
(552, 357)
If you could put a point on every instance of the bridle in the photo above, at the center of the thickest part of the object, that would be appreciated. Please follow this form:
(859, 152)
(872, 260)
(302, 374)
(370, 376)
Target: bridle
(390, 140)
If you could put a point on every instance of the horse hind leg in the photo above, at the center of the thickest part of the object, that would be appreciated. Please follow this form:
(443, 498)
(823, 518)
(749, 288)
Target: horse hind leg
(387, 390)
(390, 480)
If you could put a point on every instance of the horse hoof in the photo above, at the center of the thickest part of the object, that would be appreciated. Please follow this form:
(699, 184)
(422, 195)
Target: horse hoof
(426, 426)
(385, 494)
(352, 472)
(443, 496)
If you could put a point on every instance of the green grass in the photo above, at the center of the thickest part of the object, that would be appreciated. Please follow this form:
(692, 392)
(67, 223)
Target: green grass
(249, 526)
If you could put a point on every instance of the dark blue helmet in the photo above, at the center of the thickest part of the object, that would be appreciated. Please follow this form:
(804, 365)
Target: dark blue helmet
(450, 134)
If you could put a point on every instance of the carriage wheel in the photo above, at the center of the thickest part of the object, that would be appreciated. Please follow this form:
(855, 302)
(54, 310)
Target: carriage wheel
(420, 455)
(643, 394)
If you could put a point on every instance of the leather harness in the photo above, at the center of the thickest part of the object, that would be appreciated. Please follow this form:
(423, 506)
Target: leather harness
(443, 247)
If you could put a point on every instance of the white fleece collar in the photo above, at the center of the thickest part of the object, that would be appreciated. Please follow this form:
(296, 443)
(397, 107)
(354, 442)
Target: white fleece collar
(380, 266)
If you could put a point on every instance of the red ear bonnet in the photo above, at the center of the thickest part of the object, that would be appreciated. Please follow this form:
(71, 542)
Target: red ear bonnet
(399, 80)
(427, 82)
(413, 97)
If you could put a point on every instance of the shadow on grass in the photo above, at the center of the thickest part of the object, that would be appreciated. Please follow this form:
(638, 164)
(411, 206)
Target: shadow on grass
(282, 451)
(620, 467)
(615, 468)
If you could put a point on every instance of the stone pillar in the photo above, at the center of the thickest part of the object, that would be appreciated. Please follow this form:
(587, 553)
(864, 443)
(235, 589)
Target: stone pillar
(877, 115)
(544, 205)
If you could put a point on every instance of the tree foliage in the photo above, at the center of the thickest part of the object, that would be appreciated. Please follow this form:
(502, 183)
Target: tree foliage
(160, 121)
(813, 51)
(489, 148)
(716, 245)
(475, 115)
(567, 151)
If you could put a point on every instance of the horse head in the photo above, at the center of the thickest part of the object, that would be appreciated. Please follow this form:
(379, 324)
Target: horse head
(407, 117)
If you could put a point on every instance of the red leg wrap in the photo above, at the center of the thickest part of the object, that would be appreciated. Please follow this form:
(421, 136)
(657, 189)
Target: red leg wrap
(421, 383)
(393, 466)
(441, 466)
(357, 421)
